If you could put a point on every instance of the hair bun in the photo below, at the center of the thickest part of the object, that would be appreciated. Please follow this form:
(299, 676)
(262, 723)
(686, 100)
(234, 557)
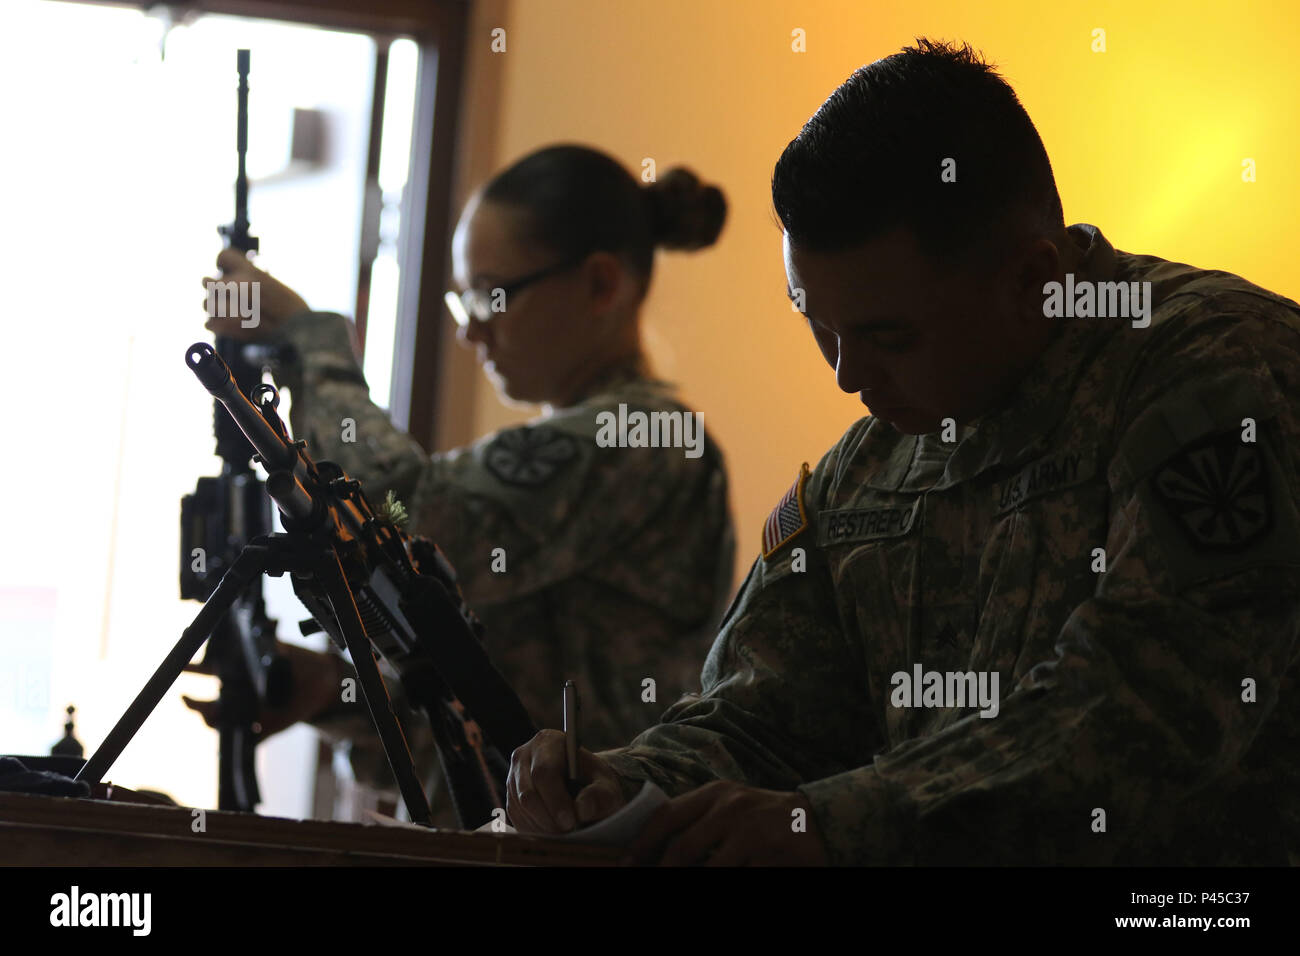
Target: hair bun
(684, 213)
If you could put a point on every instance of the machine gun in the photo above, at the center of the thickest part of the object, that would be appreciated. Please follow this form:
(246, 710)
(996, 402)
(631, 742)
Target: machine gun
(217, 520)
(374, 590)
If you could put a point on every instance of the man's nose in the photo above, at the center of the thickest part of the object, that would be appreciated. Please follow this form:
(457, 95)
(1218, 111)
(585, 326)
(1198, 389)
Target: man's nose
(852, 371)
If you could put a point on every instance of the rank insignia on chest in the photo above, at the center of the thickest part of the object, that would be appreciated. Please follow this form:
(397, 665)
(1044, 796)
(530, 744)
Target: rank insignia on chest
(788, 518)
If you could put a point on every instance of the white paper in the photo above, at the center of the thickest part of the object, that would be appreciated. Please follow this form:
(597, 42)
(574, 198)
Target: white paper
(375, 818)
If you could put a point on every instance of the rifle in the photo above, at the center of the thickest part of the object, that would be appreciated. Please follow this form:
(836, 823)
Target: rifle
(375, 590)
(236, 233)
(217, 521)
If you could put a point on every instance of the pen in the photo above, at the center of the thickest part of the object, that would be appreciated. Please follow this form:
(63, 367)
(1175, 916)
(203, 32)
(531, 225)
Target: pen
(571, 742)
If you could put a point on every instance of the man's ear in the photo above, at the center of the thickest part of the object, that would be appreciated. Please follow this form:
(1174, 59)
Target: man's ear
(1039, 263)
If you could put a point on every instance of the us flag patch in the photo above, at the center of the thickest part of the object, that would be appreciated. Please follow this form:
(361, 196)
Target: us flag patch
(788, 518)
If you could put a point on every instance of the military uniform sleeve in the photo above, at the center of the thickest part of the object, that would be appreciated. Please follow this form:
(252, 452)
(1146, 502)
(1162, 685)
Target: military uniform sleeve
(1148, 698)
(333, 412)
(782, 690)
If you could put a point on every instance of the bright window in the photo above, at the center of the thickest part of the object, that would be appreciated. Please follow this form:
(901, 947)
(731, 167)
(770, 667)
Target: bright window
(119, 167)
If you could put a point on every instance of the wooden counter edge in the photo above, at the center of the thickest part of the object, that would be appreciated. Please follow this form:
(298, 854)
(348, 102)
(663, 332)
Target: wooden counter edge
(72, 814)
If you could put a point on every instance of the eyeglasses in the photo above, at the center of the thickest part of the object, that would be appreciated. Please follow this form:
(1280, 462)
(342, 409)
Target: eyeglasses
(476, 304)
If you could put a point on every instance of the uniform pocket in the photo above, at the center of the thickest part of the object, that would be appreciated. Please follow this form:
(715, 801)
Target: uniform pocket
(1006, 592)
(1040, 564)
(873, 587)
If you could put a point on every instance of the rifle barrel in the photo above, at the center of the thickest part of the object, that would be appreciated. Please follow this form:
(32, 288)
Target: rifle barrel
(241, 142)
(281, 460)
(236, 234)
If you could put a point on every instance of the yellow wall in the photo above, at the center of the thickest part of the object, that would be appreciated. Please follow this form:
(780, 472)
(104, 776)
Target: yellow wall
(1146, 139)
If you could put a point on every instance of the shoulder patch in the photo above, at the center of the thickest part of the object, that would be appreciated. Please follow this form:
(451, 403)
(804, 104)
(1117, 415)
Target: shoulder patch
(529, 456)
(1218, 493)
(788, 518)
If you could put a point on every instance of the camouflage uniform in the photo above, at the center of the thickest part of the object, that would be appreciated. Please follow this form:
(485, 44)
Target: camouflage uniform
(617, 561)
(1125, 690)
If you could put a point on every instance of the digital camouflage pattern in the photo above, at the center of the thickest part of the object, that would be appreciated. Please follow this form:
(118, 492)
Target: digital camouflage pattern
(1121, 690)
(617, 561)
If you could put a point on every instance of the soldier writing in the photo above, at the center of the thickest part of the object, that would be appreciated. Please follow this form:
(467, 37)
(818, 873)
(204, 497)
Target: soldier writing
(1100, 513)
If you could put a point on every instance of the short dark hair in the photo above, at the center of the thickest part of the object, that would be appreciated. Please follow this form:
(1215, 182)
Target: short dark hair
(575, 200)
(869, 161)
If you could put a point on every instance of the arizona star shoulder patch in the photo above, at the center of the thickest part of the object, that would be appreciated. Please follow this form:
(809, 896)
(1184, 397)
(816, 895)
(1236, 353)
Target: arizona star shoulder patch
(530, 455)
(788, 518)
(1217, 490)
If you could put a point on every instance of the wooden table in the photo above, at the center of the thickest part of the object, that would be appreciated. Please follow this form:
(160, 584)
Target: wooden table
(67, 831)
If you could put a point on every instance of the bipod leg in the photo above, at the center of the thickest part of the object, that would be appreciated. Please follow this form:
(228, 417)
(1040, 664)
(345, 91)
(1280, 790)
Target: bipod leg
(250, 563)
(372, 688)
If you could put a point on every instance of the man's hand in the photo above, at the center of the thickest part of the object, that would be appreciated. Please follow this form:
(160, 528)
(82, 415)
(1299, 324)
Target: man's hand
(315, 683)
(729, 824)
(276, 301)
(537, 799)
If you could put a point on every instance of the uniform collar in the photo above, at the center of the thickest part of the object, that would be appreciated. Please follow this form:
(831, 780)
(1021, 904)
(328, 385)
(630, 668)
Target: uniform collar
(1026, 426)
(633, 369)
